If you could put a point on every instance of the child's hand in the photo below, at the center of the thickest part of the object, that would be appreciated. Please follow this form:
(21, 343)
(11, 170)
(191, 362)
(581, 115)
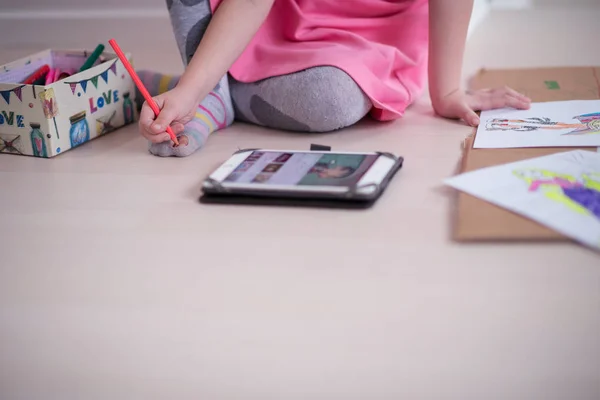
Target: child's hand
(177, 107)
(463, 105)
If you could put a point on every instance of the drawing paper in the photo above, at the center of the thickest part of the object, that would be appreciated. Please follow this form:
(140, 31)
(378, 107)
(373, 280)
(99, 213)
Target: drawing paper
(560, 191)
(573, 123)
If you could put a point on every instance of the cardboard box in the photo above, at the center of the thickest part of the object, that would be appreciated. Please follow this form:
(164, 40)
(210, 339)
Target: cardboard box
(44, 121)
(478, 220)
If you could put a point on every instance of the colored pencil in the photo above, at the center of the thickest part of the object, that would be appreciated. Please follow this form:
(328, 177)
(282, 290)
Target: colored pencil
(56, 75)
(140, 86)
(37, 75)
(49, 76)
(92, 58)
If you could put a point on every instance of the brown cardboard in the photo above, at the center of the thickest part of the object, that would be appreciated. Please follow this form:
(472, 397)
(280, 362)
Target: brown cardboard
(572, 83)
(479, 220)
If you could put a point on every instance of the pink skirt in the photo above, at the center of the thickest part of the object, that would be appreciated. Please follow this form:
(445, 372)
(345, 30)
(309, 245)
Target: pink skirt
(381, 44)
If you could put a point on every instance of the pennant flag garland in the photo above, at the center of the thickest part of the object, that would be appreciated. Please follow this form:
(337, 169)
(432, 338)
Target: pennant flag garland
(93, 79)
(17, 91)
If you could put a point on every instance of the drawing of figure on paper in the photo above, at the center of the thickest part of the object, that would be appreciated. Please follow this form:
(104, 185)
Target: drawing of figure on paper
(580, 195)
(588, 123)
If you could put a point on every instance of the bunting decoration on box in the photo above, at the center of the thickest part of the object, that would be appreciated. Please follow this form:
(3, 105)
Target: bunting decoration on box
(17, 91)
(93, 79)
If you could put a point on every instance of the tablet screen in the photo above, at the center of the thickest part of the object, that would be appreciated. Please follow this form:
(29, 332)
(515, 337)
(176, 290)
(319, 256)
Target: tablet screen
(316, 169)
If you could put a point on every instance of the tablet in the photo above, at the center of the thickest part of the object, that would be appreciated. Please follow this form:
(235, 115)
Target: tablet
(263, 175)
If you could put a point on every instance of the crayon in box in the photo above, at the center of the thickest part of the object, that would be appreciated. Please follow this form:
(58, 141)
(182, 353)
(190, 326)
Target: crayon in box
(46, 120)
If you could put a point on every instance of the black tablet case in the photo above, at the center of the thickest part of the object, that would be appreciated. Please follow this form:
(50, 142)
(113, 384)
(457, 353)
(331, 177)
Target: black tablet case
(343, 200)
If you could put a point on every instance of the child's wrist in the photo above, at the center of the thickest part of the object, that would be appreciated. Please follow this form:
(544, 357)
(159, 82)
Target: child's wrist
(438, 95)
(188, 92)
(192, 86)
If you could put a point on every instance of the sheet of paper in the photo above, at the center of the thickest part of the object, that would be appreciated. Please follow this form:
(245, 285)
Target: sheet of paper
(573, 123)
(560, 191)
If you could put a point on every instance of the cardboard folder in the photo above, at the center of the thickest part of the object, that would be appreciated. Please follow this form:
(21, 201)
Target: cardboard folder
(478, 220)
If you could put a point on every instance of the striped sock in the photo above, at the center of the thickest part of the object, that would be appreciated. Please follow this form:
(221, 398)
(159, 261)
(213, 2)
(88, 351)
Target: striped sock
(155, 83)
(213, 113)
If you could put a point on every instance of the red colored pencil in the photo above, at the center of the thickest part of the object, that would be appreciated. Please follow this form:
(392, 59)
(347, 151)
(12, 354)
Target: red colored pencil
(41, 72)
(141, 87)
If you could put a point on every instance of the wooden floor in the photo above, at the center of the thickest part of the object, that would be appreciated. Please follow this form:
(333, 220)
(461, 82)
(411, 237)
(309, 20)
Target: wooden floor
(116, 284)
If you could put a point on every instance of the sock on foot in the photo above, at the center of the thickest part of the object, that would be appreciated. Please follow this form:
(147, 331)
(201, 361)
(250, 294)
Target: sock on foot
(155, 83)
(213, 113)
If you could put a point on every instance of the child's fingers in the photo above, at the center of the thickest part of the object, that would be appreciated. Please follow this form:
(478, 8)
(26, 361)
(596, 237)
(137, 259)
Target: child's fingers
(499, 99)
(154, 138)
(149, 128)
(145, 122)
(153, 123)
(165, 118)
(471, 118)
(516, 94)
(514, 100)
(507, 100)
(183, 140)
(521, 101)
(146, 117)
(468, 115)
(486, 99)
(177, 127)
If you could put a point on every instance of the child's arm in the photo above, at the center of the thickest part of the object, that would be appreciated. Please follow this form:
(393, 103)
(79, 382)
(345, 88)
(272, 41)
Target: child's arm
(230, 30)
(448, 26)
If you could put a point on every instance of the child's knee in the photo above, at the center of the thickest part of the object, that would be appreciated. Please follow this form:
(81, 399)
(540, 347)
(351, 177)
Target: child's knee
(331, 100)
(320, 99)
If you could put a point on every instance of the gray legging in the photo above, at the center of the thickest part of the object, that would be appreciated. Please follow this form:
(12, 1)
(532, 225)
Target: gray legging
(319, 99)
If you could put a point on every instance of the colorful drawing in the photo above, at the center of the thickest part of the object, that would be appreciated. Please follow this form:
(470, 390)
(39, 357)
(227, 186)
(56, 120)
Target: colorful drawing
(50, 107)
(580, 195)
(80, 130)
(588, 123)
(127, 108)
(38, 143)
(560, 191)
(11, 144)
(104, 124)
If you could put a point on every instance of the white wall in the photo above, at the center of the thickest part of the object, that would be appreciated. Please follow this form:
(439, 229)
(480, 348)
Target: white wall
(55, 9)
(481, 9)
(542, 3)
(59, 5)
(519, 4)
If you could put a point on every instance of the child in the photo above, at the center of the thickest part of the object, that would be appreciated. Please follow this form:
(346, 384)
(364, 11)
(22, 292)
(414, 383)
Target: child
(311, 66)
